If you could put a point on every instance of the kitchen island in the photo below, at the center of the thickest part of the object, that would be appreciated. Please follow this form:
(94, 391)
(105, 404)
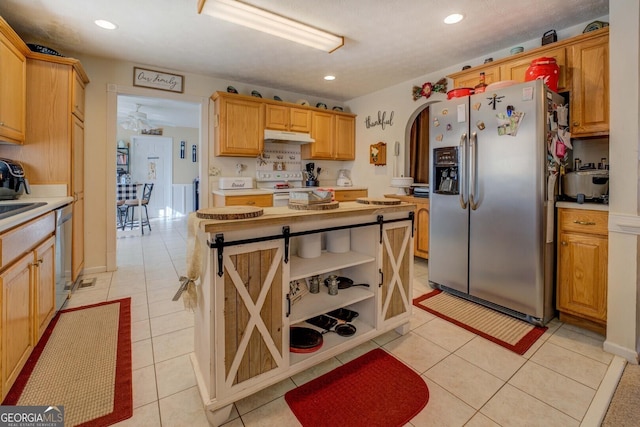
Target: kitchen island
(245, 306)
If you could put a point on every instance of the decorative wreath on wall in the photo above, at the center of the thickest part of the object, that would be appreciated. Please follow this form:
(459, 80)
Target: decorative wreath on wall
(428, 88)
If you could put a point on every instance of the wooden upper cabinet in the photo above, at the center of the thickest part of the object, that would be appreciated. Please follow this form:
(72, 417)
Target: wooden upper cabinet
(13, 81)
(239, 126)
(472, 78)
(78, 96)
(280, 117)
(345, 134)
(516, 69)
(322, 130)
(589, 106)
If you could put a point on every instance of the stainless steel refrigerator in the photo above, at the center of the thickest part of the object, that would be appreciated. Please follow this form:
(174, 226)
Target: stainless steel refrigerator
(491, 209)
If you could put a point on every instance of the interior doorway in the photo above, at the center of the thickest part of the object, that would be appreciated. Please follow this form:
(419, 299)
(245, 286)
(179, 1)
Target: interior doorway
(152, 163)
(169, 106)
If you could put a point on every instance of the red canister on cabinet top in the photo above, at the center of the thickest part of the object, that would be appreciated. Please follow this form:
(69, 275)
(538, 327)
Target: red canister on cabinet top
(546, 69)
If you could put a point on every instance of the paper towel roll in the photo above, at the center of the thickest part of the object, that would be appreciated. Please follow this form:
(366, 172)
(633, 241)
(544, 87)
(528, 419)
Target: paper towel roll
(338, 241)
(310, 246)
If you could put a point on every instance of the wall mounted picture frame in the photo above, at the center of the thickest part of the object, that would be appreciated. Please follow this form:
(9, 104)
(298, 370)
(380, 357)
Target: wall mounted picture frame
(160, 80)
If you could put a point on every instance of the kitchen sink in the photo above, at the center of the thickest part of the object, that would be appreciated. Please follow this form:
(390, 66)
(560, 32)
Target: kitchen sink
(11, 209)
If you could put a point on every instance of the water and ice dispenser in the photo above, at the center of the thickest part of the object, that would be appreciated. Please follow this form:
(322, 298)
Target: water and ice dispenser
(445, 165)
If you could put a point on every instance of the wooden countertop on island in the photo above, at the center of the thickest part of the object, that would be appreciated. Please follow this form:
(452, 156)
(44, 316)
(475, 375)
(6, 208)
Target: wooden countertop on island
(285, 216)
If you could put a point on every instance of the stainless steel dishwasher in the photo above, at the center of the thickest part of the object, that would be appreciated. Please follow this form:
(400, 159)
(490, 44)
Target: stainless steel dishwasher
(64, 284)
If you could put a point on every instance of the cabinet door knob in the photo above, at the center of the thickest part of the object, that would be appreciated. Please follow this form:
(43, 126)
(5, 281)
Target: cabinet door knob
(563, 243)
(251, 202)
(576, 124)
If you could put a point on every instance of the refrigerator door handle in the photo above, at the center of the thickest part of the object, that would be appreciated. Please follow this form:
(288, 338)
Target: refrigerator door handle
(473, 162)
(461, 170)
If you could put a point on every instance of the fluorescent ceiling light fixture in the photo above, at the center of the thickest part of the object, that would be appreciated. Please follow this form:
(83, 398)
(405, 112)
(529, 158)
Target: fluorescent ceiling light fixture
(105, 24)
(454, 18)
(329, 77)
(270, 23)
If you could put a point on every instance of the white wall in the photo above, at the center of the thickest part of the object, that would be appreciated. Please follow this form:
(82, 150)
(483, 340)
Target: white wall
(624, 223)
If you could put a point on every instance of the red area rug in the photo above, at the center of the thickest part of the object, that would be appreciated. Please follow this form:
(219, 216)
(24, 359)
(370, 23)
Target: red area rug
(82, 363)
(375, 389)
(509, 332)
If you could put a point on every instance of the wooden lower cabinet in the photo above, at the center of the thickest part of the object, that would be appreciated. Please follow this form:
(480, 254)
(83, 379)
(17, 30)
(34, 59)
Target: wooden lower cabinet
(421, 238)
(582, 268)
(261, 200)
(45, 285)
(421, 224)
(349, 195)
(17, 319)
(27, 280)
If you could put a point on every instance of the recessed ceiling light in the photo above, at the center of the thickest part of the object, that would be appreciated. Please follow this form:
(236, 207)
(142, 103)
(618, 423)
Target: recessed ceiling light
(105, 24)
(454, 18)
(329, 77)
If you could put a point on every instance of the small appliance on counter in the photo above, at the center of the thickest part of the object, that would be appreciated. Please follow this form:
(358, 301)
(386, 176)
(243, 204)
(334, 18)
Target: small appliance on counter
(13, 183)
(237, 183)
(344, 178)
(586, 184)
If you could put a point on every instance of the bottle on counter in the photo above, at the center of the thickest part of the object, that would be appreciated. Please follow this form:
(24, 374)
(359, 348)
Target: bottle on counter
(482, 86)
(577, 163)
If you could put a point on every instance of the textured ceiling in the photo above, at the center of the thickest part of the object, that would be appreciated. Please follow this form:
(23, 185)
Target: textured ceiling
(386, 41)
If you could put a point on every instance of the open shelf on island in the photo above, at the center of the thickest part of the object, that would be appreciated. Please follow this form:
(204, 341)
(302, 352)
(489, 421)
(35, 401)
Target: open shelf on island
(326, 262)
(314, 304)
(330, 340)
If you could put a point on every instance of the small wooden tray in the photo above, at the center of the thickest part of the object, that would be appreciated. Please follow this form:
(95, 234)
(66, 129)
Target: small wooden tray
(378, 201)
(230, 212)
(309, 197)
(314, 207)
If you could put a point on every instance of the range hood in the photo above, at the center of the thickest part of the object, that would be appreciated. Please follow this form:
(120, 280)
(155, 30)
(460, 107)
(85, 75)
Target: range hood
(284, 137)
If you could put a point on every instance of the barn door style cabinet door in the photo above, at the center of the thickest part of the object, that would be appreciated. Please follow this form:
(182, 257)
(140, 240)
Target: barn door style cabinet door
(396, 271)
(252, 334)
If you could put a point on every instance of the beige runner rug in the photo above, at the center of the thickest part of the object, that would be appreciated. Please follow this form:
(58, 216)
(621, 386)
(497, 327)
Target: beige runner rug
(509, 332)
(82, 362)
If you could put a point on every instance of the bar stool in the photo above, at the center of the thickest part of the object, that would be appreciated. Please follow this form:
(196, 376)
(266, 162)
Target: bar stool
(133, 204)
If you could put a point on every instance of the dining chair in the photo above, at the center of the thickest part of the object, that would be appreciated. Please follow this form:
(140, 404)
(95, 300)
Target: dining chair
(131, 205)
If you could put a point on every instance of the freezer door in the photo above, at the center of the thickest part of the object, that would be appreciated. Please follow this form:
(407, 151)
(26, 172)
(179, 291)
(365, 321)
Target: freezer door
(448, 220)
(506, 235)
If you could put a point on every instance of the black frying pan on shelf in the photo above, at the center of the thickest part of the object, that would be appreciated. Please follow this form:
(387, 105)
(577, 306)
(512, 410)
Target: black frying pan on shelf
(345, 282)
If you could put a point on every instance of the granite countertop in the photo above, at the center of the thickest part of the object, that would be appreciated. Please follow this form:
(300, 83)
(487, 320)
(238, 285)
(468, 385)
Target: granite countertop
(54, 196)
(51, 203)
(585, 206)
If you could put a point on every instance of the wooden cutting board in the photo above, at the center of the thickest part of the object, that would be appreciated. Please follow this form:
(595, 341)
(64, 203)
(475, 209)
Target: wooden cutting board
(315, 207)
(378, 201)
(230, 212)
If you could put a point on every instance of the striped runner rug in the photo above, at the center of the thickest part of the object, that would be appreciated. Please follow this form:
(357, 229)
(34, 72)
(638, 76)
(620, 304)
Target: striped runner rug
(83, 363)
(509, 332)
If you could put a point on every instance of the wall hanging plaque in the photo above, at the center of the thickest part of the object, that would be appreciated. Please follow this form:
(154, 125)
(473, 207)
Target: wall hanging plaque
(378, 154)
(158, 80)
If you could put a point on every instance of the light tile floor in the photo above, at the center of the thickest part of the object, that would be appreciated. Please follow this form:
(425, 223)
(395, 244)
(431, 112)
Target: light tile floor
(472, 382)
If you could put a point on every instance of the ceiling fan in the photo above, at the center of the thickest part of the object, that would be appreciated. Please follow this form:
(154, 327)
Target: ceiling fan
(136, 121)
